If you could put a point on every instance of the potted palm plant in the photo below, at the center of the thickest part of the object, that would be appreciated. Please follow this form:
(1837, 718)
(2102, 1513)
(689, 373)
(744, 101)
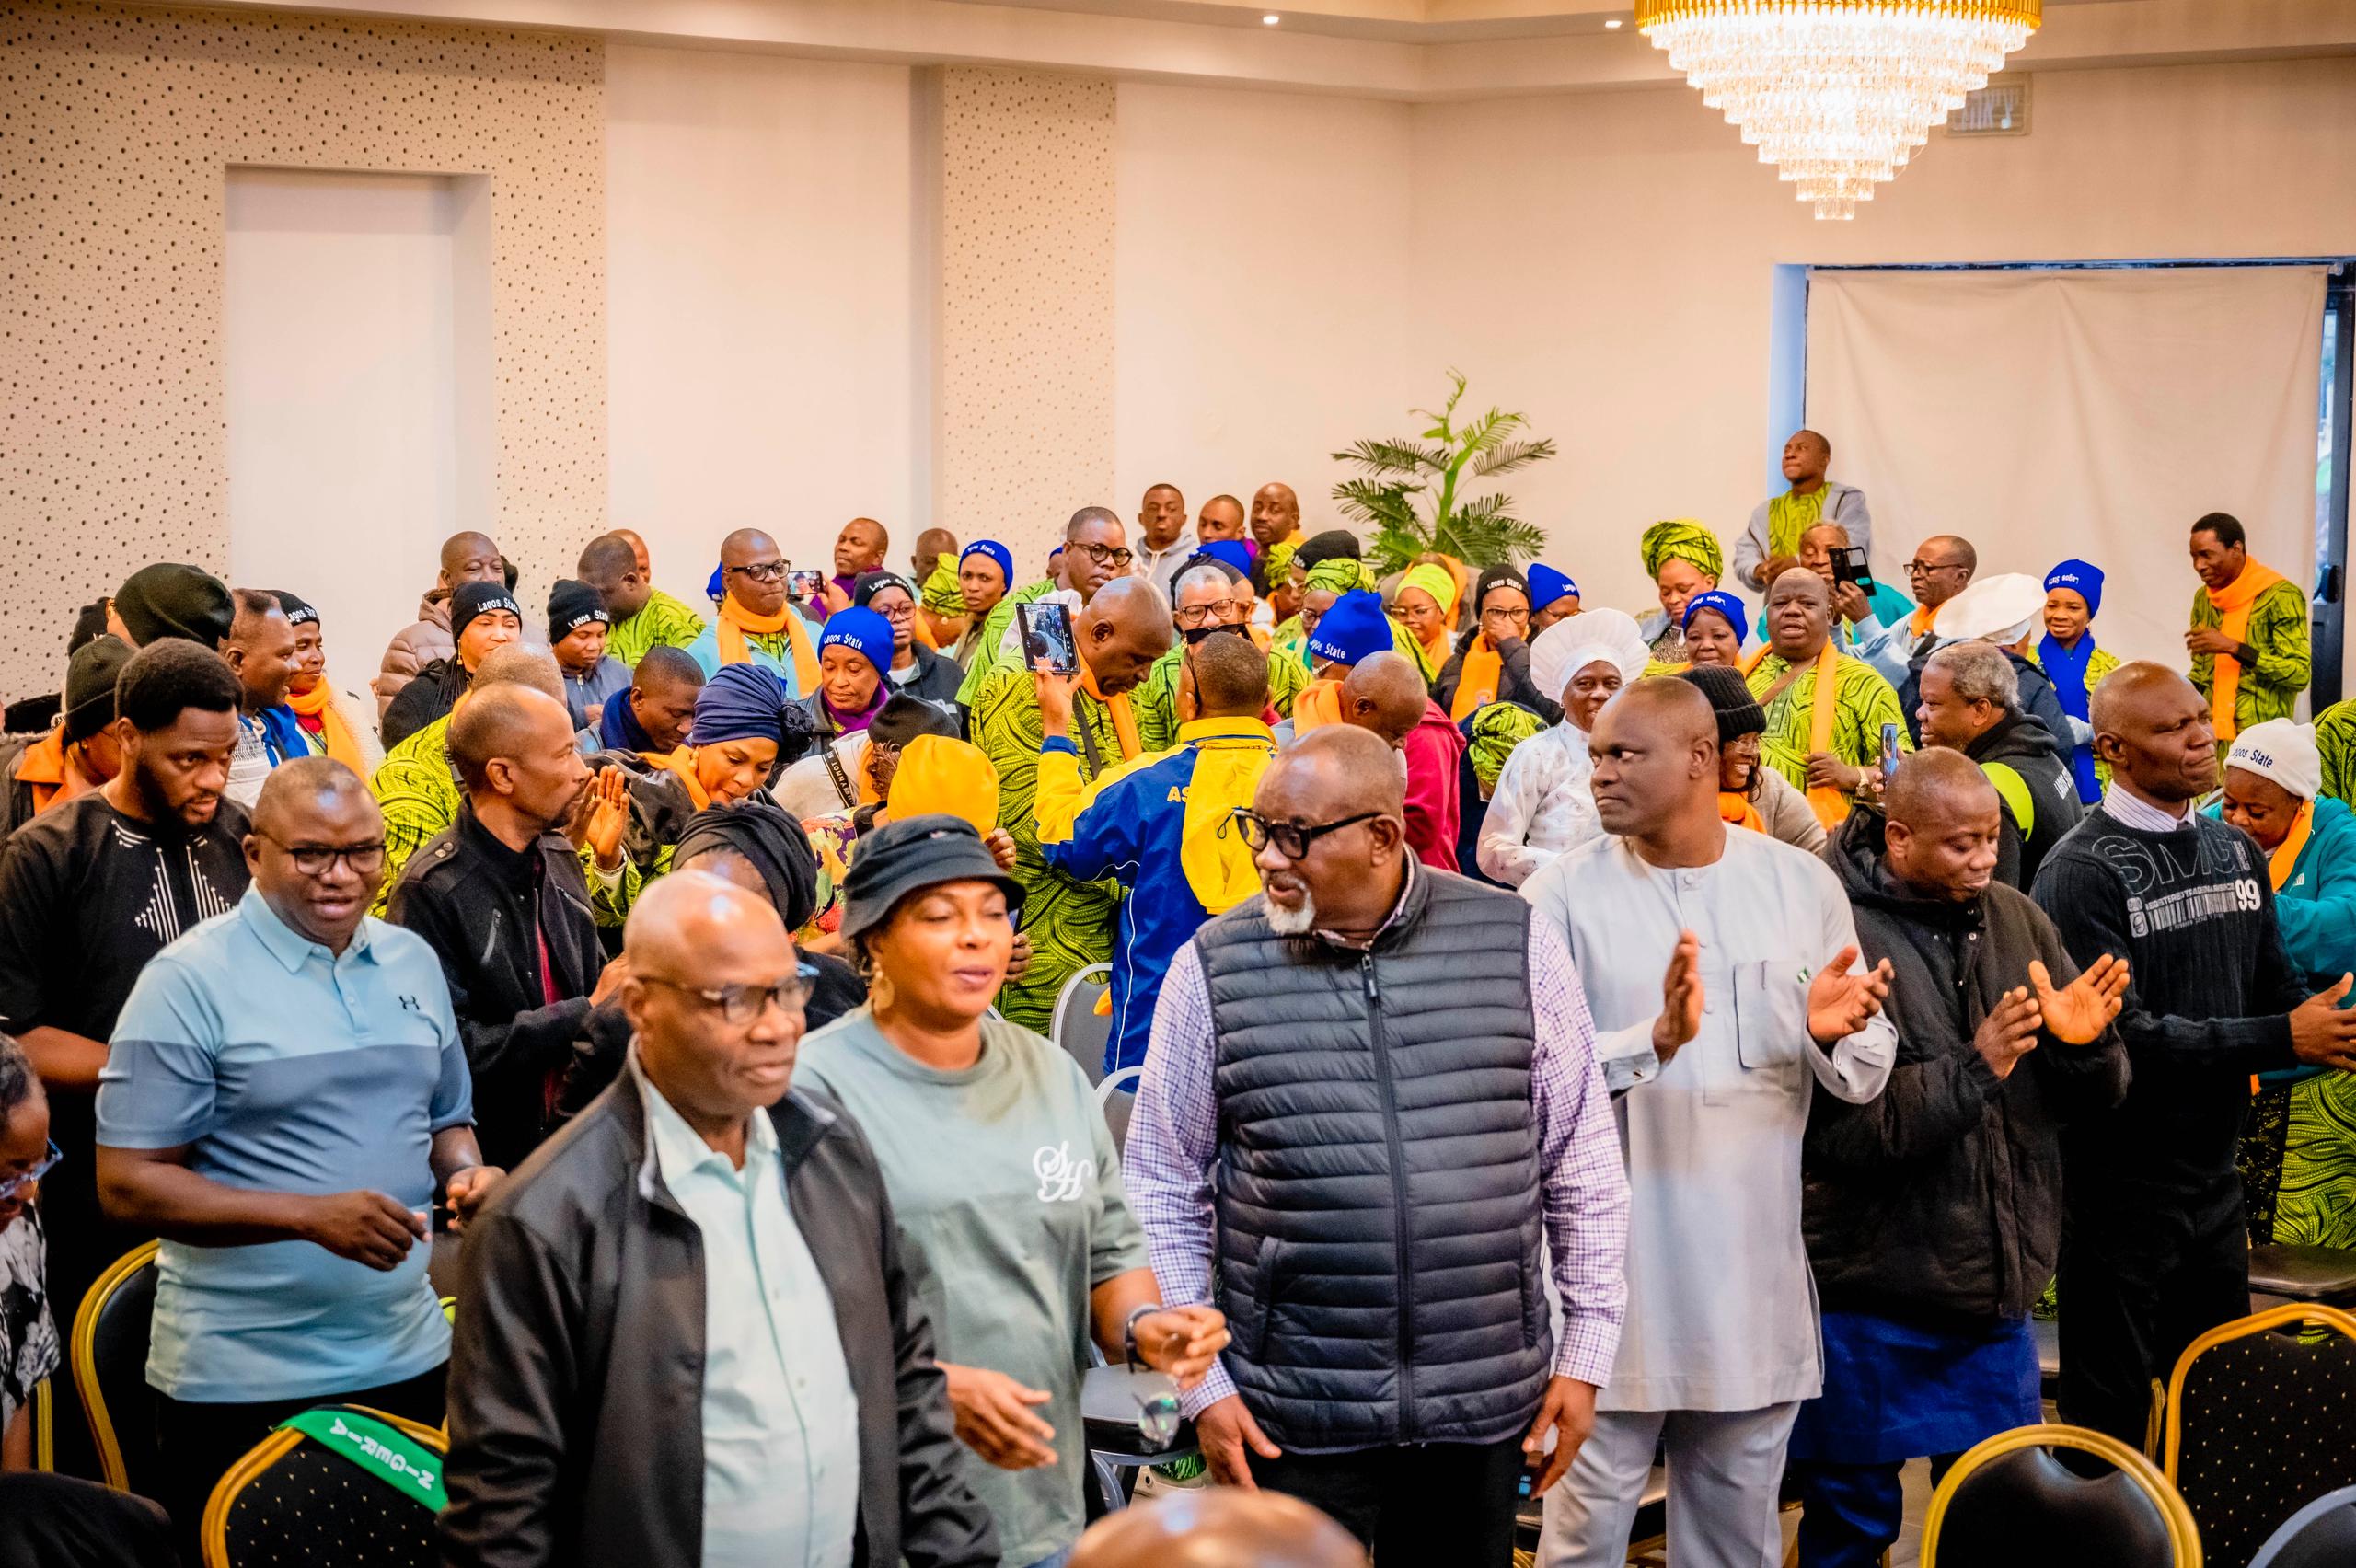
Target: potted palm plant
(1413, 492)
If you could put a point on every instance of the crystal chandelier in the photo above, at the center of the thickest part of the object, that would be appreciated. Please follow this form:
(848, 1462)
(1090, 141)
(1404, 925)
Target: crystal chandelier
(1837, 94)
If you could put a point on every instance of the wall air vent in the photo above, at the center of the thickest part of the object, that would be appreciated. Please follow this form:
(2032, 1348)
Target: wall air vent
(1999, 108)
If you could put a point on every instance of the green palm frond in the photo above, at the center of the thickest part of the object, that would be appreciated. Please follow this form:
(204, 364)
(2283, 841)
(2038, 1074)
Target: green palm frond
(1394, 457)
(1376, 503)
(1392, 548)
(1488, 432)
(1512, 455)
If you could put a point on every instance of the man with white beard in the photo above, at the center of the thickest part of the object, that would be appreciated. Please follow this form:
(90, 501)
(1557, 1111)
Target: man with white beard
(1370, 1089)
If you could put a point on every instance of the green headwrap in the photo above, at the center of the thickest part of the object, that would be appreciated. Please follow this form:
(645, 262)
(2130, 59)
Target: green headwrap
(942, 594)
(1341, 574)
(1497, 727)
(1685, 539)
(1278, 561)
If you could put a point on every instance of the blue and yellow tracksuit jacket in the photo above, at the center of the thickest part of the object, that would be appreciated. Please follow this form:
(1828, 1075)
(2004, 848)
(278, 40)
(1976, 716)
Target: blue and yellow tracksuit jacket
(1161, 826)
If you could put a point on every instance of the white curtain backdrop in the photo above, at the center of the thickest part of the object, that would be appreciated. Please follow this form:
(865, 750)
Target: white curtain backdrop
(2044, 415)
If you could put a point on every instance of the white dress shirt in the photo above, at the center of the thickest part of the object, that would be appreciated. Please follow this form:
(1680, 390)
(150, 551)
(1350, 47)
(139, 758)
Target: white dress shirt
(781, 1423)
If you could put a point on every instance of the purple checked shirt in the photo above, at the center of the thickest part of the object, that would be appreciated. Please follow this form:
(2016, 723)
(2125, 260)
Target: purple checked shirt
(1173, 1145)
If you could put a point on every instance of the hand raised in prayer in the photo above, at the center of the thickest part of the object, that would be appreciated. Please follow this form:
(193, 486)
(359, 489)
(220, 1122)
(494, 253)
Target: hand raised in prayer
(2208, 640)
(1838, 1003)
(2008, 1033)
(606, 817)
(1055, 700)
(1183, 1342)
(1680, 999)
(994, 1418)
(2079, 1012)
(1825, 771)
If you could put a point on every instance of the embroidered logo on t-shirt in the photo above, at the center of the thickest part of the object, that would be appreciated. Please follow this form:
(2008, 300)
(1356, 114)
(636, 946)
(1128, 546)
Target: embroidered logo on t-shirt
(1062, 1178)
(2193, 903)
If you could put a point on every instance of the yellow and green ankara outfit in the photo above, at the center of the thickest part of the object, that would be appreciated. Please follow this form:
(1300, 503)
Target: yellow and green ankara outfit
(662, 620)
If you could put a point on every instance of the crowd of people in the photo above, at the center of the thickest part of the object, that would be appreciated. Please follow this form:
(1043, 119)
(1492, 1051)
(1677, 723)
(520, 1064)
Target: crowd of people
(1559, 1037)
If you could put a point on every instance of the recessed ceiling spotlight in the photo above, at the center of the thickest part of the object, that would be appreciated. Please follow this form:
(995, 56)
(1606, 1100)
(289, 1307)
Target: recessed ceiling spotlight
(1271, 19)
(1612, 25)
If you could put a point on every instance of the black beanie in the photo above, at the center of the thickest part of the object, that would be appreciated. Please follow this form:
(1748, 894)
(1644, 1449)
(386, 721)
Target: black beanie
(298, 610)
(90, 623)
(90, 676)
(1739, 712)
(1333, 544)
(169, 599)
(571, 603)
(903, 717)
(472, 599)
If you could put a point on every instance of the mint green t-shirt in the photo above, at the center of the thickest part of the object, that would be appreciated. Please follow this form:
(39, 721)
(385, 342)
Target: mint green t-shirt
(1007, 1190)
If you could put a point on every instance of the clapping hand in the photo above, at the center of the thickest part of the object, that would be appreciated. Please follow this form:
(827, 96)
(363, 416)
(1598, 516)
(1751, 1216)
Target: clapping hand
(608, 816)
(1838, 1003)
(2079, 1012)
(1680, 999)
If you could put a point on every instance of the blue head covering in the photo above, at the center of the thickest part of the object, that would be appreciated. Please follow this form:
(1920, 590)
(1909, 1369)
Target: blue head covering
(864, 632)
(2082, 578)
(741, 702)
(1354, 629)
(2066, 667)
(1725, 604)
(1230, 552)
(1546, 585)
(997, 552)
(716, 587)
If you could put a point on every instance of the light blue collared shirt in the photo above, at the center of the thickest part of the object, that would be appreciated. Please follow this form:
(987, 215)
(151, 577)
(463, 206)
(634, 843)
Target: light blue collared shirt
(781, 1423)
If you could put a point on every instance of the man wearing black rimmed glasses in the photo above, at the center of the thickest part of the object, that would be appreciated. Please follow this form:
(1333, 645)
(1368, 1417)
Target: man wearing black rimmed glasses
(1095, 551)
(689, 1336)
(757, 623)
(1942, 568)
(1371, 1087)
(285, 1092)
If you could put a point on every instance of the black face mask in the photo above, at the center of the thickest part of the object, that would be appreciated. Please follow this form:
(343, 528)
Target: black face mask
(1194, 634)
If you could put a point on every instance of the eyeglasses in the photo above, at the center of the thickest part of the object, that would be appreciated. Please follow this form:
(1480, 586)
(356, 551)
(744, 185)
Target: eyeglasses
(1292, 839)
(318, 860)
(741, 1005)
(1221, 610)
(895, 613)
(12, 1185)
(764, 571)
(1924, 568)
(1113, 556)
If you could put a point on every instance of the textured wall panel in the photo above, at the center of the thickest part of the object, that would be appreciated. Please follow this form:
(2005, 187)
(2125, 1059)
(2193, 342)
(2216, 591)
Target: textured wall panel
(117, 126)
(1023, 317)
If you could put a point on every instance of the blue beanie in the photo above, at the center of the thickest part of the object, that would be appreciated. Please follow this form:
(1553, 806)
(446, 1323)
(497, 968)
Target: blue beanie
(717, 586)
(1725, 604)
(742, 702)
(2086, 580)
(1355, 629)
(864, 632)
(1546, 585)
(1230, 552)
(997, 552)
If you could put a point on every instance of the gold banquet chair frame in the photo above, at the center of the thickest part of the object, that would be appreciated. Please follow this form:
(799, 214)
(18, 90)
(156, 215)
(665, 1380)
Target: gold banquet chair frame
(2184, 1535)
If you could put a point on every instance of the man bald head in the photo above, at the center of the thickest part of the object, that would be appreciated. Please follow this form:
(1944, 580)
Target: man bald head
(611, 566)
(1943, 827)
(513, 664)
(1276, 513)
(317, 850)
(1333, 810)
(1799, 615)
(1221, 518)
(1121, 631)
(514, 751)
(1385, 693)
(2153, 727)
(717, 1064)
(1219, 1527)
(470, 558)
(1655, 747)
(931, 544)
(753, 572)
(638, 547)
(1226, 677)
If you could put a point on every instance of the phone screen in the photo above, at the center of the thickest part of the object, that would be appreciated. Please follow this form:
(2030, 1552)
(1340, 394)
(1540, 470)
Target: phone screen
(1849, 564)
(1048, 634)
(806, 583)
(1889, 752)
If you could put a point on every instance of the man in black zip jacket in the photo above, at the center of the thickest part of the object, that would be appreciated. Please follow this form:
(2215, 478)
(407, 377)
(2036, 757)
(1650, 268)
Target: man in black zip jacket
(501, 897)
(2155, 1245)
(1934, 1213)
(1971, 703)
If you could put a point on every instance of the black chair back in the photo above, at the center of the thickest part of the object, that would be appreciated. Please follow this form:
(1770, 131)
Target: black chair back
(2260, 1423)
(2012, 1503)
(110, 1369)
(2321, 1535)
(291, 1501)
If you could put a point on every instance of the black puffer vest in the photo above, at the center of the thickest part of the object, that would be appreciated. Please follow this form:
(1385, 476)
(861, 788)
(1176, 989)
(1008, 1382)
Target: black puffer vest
(1377, 1193)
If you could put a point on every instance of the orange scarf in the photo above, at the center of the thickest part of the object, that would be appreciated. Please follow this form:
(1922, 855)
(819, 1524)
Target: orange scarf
(2233, 607)
(1832, 807)
(682, 764)
(2285, 859)
(1736, 809)
(319, 703)
(1922, 618)
(1476, 680)
(1125, 722)
(735, 620)
(1318, 704)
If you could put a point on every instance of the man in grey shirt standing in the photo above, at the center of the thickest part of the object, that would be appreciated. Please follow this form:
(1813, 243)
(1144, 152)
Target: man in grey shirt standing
(1776, 527)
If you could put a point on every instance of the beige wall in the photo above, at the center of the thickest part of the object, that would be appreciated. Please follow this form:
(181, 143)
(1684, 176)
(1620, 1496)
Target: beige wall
(119, 126)
(1612, 257)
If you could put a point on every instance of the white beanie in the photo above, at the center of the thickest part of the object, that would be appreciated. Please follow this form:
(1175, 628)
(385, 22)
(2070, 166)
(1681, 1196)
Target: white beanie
(2282, 749)
(1573, 643)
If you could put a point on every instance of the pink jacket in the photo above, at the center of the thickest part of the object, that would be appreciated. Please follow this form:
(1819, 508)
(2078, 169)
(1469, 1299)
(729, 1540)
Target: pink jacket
(1433, 748)
(414, 648)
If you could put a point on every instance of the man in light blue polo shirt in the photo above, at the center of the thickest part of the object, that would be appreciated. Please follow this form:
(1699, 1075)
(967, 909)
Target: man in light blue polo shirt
(284, 1090)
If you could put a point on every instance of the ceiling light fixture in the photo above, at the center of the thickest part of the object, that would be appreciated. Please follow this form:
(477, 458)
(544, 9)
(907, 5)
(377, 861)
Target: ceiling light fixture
(1271, 19)
(1837, 94)
(1612, 25)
